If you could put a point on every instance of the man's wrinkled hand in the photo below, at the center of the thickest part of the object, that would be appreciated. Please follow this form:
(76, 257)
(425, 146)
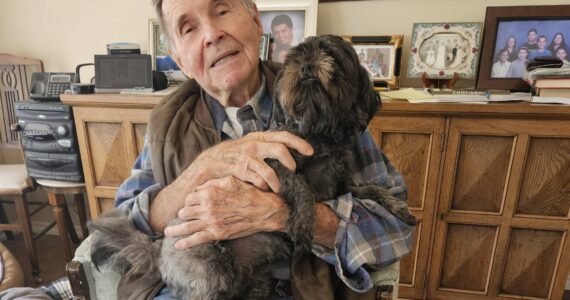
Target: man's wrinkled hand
(244, 158)
(224, 209)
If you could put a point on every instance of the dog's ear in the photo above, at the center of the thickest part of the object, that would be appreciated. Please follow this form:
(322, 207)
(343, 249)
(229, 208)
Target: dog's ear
(368, 101)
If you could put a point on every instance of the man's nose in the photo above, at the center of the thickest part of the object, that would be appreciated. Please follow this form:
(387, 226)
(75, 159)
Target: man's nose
(213, 33)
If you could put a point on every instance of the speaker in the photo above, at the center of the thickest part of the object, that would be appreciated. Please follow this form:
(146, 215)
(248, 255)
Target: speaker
(159, 81)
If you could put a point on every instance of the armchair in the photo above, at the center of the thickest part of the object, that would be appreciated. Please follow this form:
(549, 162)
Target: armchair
(89, 283)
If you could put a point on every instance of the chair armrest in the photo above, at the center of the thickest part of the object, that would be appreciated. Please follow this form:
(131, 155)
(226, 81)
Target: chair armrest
(386, 281)
(88, 282)
(78, 280)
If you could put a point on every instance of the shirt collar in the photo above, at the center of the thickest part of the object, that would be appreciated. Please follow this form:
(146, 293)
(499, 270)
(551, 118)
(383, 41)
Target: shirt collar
(258, 108)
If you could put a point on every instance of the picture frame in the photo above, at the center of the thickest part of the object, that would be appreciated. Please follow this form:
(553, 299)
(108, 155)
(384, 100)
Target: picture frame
(158, 48)
(504, 22)
(289, 22)
(440, 50)
(381, 56)
(264, 46)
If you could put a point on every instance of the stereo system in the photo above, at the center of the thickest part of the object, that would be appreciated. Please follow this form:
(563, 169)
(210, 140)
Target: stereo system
(49, 140)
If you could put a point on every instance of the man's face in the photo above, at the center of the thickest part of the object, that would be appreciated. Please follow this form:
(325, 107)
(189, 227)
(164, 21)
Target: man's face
(283, 34)
(215, 42)
(523, 54)
(532, 36)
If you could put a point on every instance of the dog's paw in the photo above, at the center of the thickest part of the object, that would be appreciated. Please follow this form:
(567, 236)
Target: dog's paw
(404, 214)
(301, 234)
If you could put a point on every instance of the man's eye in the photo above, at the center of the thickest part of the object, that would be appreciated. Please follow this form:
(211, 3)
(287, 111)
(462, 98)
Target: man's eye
(222, 12)
(187, 30)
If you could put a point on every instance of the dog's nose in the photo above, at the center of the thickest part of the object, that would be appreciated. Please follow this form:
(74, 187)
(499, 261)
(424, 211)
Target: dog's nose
(307, 69)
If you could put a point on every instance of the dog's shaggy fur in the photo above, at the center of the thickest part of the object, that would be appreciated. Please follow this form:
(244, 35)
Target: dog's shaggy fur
(325, 97)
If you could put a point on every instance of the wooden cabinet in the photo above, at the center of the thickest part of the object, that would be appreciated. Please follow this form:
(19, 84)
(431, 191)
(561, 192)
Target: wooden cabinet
(110, 131)
(490, 186)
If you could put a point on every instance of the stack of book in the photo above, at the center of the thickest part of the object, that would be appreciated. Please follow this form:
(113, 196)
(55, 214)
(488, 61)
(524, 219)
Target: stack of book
(551, 85)
(552, 90)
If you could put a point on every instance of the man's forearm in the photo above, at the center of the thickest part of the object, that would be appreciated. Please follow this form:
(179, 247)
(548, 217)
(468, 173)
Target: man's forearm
(326, 224)
(165, 206)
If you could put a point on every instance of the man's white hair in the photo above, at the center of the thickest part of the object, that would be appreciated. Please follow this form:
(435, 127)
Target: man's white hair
(249, 5)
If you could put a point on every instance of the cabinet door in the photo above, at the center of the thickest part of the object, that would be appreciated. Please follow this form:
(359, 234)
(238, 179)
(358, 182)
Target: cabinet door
(503, 217)
(109, 141)
(414, 145)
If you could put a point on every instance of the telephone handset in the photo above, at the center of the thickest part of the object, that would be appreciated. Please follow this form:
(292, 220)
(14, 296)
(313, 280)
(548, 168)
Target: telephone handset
(48, 86)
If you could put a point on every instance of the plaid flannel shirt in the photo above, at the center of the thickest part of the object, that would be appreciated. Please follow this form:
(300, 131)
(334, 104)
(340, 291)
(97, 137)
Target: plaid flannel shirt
(368, 236)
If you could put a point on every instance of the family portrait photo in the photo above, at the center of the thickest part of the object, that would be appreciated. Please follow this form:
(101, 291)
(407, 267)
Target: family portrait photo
(287, 29)
(375, 59)
(518, 42)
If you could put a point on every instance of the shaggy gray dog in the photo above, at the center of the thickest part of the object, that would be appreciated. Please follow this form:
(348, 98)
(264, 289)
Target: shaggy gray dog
(325, 96)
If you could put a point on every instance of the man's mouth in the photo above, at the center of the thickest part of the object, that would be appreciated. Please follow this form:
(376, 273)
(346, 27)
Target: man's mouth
(223, 58)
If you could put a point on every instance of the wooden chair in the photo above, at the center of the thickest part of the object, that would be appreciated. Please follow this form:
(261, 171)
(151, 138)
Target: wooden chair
(15, 77)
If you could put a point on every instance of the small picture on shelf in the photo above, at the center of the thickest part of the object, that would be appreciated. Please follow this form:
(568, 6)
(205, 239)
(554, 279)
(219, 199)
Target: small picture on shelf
(264, 46)
(441, 50)
(380, 56)
(161, 61)
(375, 59)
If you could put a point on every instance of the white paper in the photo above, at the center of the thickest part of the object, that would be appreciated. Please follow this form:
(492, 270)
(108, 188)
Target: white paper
(551, 100)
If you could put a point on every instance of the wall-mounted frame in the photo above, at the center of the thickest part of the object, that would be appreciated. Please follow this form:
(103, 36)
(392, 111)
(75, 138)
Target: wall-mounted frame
(381, 56)
(442, 49)
(292, 20)
(507, 22)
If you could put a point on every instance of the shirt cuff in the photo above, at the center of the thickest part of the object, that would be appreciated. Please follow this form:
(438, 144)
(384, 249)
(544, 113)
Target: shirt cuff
(357, 278)
(368, 238)
(138, 207)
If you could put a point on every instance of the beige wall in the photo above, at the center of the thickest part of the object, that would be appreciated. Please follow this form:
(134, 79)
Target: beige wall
(64, 33)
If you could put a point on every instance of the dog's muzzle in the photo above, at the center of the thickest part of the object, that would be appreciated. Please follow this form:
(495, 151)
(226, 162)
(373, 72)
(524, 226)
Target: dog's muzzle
(308, 74)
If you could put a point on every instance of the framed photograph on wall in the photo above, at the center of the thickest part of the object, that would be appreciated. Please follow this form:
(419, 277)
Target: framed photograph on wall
(289, 22)
(381, 57)
(516, 34)
(442, 49)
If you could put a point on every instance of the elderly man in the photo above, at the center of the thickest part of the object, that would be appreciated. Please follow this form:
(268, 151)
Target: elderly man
(203, 161)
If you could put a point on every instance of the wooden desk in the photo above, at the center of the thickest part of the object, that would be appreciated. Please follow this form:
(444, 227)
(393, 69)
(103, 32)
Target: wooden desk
(489, 184)
(110, 131)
